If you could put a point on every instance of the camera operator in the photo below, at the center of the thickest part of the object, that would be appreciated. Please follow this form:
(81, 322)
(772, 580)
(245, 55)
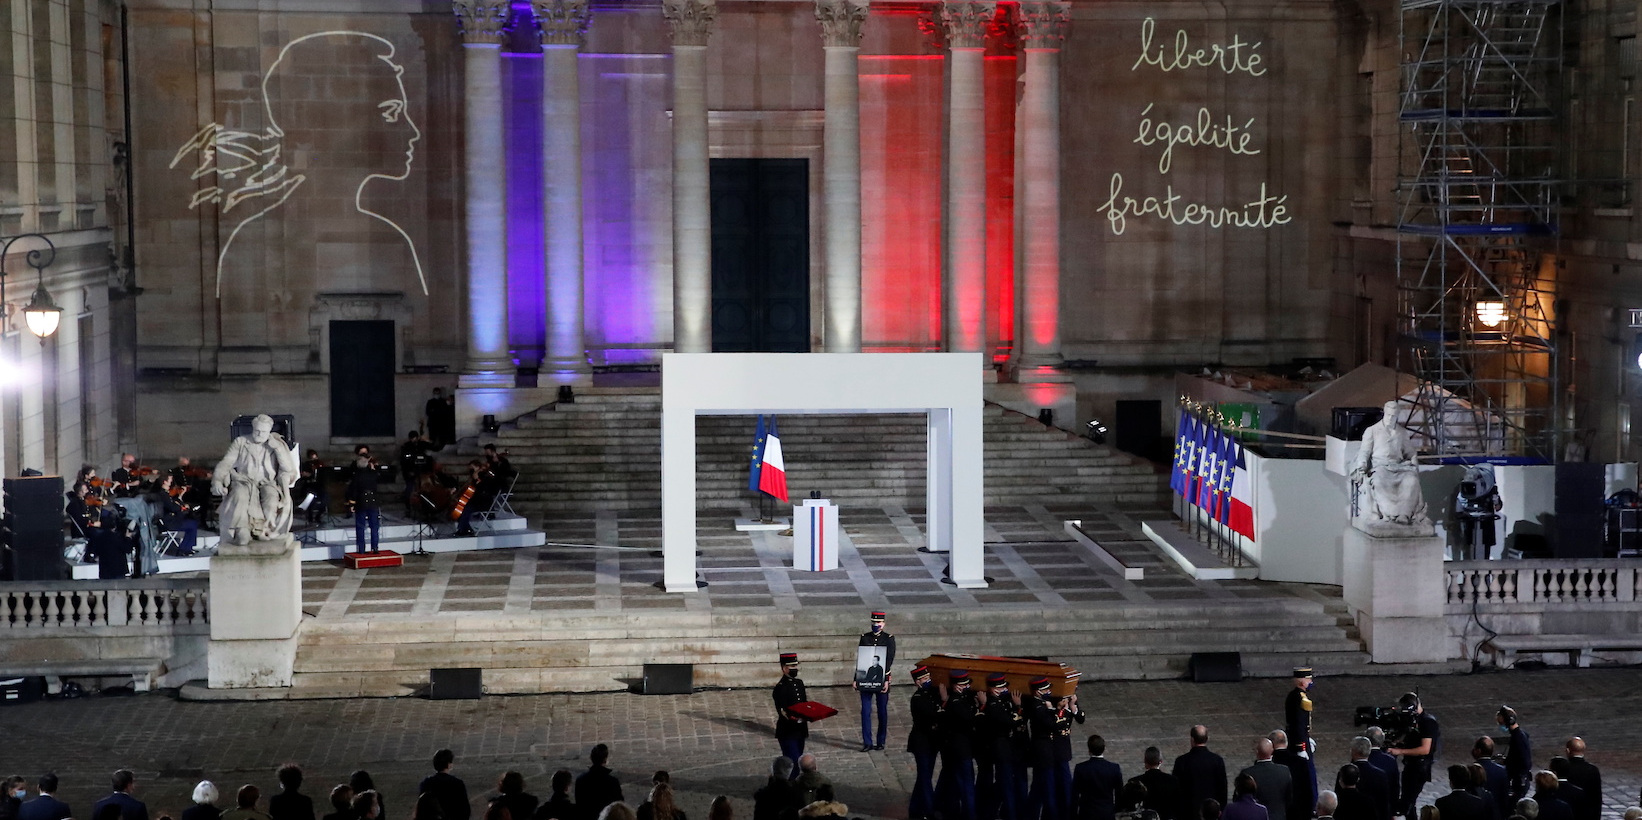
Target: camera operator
(1418, 749)
(1519, 759)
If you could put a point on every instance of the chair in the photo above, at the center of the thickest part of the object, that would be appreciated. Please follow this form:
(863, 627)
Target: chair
(503, 501)
(170, 542)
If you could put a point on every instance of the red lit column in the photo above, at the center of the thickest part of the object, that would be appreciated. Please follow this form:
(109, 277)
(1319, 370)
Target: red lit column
(841, 172)
(1042, 29)
(963, 264)
(489, 362)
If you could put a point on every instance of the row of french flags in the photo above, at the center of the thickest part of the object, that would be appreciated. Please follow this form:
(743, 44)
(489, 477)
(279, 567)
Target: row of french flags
(1210, 471)
(768, 473)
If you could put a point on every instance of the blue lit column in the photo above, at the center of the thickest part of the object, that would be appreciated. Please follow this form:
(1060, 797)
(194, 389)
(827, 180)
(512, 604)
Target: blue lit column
(489, 363)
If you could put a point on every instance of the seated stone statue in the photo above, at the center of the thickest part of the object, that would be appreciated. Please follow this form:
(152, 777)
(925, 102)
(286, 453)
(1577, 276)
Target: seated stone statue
(1386, 474)
(254, 479)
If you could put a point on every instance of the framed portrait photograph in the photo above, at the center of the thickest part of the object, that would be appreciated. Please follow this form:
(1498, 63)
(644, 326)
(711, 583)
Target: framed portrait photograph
(869, 664)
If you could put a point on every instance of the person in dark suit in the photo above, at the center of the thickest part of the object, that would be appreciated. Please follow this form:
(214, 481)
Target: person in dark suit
(1327, 802)
(1587, 777)
(559, 806)
(1568, 792)
(1459, 803)
(365, 503)
(1163, 793)
(1300, 768)
(1495, 779)
(1519, 758)
(1370, 781)
(290, 803)
(1551, 804)
(1202, 773)
(924, 742)
(771, 800)
(1095, 784)
(1246, 805)
(445, 787)
(1382, 760)
(597, 787)
(1350, 802)
(130, 807)
(1274, 784)
(46, 806)
(1479, 787)
(109, 546)
(205, 803)
(511, 794)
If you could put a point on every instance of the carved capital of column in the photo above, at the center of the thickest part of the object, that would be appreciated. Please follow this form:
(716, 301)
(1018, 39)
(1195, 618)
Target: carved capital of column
(481, 21)
(840, 21)
(562, 22)
(965, 23)
(690, 21)
(1043, 25)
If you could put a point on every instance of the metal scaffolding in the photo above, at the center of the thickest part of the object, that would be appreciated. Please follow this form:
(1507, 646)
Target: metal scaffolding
(1477, 199)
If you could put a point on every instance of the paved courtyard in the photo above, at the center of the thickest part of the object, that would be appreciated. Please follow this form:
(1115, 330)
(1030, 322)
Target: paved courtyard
(718, 743)
(1031, 560)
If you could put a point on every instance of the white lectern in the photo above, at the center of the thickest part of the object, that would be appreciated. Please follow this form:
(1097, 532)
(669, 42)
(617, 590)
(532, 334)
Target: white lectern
(815, 535)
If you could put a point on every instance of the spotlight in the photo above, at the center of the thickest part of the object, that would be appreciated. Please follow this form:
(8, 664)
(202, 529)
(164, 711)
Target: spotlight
(1095, 431)
(567, 394)
(490, 425)
(1491, 313)
(1046, 417)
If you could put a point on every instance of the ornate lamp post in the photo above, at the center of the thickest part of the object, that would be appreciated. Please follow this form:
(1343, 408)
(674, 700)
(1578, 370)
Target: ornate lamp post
(41, 314)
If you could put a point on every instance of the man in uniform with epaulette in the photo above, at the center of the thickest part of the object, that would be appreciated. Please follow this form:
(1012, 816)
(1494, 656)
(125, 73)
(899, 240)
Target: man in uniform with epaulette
(1051, 721)
(924, 742)
(1297, 721)
(791, 728)
(956, 790)
(1003, 728)
(878, 638)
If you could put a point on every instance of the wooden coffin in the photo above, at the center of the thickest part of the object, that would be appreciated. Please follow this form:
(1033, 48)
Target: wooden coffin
(1063, 679)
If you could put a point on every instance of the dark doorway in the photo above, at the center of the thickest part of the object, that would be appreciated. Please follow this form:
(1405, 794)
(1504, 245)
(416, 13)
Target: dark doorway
(362, 379)
(761, 255)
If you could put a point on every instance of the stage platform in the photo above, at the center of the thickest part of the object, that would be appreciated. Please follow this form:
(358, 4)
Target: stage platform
(328, 542)
(558, 617)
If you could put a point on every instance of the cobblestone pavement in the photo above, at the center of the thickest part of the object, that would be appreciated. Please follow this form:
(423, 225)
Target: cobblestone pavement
(718, 742)
(1031, 560)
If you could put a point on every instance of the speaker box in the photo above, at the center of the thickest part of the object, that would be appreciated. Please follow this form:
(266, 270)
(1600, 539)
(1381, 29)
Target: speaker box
(455, 684)
(1139, 426)
(669, 678)
(1578, 532)
(1348, 423)
(35, 504)
(1216, 667)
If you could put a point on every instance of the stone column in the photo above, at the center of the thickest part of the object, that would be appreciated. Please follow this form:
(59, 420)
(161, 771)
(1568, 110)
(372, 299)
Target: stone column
(841, 172)
(489, 362)
(963, 289)
(1042, 29)
(691, 23)
(563, 25)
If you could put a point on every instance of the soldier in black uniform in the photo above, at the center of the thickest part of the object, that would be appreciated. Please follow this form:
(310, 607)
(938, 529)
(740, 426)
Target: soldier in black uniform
(791, 728)
(876, 691)
(1051, 722)
(924, 742)
(956, 790)
(1297, 721)
(1004, 732)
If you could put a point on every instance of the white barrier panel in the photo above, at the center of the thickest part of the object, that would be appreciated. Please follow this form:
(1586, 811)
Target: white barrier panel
(944, 386)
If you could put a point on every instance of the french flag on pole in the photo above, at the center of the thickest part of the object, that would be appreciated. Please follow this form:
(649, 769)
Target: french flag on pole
(1242, 499)
(772, 469)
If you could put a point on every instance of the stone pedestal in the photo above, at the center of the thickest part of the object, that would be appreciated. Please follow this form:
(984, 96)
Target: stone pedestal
(1394, 589)
(256, 608)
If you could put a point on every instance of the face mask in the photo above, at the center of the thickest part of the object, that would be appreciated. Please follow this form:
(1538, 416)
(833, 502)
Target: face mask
(792, 671)
(21, 793)
(877, 628)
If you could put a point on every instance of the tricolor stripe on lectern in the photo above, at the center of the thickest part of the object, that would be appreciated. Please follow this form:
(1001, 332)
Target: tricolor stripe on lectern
(772, 476)
(818, 537)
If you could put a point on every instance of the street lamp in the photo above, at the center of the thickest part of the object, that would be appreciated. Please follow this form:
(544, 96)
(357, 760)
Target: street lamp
(41, 314)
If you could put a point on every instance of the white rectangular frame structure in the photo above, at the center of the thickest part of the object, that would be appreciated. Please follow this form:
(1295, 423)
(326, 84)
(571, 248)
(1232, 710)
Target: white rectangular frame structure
(946, 387)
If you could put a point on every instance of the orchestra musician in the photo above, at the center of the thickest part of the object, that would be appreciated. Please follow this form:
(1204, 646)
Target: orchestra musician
(499, 465)
(174, 513)
(109, 546)
(309, 492)
(363, 501)
(76, 508)
(125, 477)
(482, 482)
(313, 464)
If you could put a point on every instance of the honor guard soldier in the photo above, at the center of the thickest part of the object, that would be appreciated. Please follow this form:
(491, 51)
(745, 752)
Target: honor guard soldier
(1297, 720)
(872, 691)
(1051, 725)
(791, 728)
(924, 742)
(1004, 732)
(956, 790)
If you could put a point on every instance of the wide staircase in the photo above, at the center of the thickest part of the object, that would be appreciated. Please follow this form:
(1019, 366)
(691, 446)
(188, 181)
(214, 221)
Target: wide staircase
(603, 452)
(548, 652)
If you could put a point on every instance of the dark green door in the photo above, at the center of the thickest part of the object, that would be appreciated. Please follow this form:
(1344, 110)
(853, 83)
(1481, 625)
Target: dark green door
(761, 255)
(362, 379)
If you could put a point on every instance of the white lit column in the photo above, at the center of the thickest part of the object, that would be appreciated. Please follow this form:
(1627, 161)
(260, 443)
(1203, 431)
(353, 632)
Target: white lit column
(841, 172)
(1042, 29)
(963, 289)
(489, 362)
(691, 23)
(564, 26)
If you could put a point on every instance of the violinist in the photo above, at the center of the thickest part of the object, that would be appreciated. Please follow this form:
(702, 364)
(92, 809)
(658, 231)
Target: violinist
(174, 514)
(125, 476)
(308, 493)
(363, 501)
(108, 544)
(313, 464)
(77, 509)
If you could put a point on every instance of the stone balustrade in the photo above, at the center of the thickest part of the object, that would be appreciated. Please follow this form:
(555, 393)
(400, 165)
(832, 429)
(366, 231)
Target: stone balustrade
(1545, 581)
(55, 606)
